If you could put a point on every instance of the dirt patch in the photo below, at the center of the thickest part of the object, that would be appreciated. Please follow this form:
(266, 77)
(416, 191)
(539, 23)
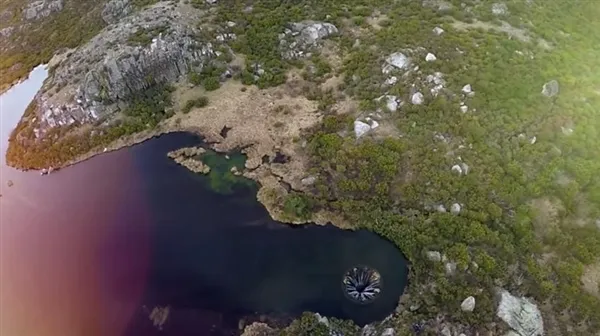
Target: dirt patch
(376, 20)
(333, 83)
(520, 34)
(546, 215)
(330, 51)
(591, 279)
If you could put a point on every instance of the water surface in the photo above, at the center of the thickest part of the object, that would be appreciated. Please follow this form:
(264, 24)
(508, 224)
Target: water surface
(90, 249)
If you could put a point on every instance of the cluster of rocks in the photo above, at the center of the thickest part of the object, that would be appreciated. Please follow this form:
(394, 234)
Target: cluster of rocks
(499, 9)
(391, 102)
(299, 38)
(438, 82)
(449, 265)
(455, 208)
(41, 9)
(96, 80)
(186, 157)
(461, 168)
(363, 127)
(235, 171)
(7, 32)
(398, 64)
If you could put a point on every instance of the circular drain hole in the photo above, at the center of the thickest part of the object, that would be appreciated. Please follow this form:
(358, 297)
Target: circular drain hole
(362, 284)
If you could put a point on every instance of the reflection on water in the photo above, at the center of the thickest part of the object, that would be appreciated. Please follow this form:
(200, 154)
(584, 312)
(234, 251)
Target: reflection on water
(93, 248)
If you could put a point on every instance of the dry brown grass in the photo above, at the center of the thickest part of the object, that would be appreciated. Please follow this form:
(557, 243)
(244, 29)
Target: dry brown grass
(591, 279)
(546, 215)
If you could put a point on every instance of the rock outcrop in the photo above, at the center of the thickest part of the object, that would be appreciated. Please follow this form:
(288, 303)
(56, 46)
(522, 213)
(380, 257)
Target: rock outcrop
(520, 314)
(301, 37)
(41, 9)
(114, 10)
(154, 46)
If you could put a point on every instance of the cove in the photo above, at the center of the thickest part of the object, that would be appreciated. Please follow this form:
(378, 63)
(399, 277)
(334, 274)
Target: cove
(90, 249)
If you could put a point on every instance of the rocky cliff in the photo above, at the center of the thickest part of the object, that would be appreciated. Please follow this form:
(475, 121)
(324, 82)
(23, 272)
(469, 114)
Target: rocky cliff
(154, 46)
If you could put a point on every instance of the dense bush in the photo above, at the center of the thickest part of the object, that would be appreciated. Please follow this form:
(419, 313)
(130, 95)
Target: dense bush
(198, 102)
(211, 83)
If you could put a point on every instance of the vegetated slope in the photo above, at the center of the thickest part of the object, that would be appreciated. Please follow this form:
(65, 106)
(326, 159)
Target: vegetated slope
(33, 38)
(522, 149)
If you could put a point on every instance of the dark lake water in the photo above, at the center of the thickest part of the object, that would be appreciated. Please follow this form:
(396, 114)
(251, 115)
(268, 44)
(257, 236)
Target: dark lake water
(87, 250)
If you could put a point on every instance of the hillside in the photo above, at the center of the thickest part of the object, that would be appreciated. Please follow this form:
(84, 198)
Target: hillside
(463, 131)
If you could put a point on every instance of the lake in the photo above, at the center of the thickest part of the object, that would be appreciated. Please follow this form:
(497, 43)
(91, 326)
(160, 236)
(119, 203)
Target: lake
(92, 248)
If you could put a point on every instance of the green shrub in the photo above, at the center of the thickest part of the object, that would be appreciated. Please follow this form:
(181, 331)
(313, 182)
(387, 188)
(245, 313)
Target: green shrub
(298, 205)
(190, 104)
(211, 83)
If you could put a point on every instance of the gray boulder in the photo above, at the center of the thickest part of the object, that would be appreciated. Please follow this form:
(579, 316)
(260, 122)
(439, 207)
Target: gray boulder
(520, 314)
(310, 180)
(455, 208)
(391, 102)
(468, 304)
(434, 256)
(361, 128)
(417, 98)
(550, 89)
(114, 10)
(41, 9)
(396, 60)
(301, 37)
(450, 268)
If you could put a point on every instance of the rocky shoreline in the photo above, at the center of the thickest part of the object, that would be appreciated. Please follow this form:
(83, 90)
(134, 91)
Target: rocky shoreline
(251, 121)
(187, 157)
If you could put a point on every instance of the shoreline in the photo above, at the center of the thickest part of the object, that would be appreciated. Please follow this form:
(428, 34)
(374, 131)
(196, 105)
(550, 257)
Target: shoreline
(253, 120)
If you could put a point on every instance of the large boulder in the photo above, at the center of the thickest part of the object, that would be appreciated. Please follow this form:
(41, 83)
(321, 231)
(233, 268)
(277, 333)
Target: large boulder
(520, 314)
(299, 38)
(101, 76)
(550, 89)
(396, 61)
(468, 304)
(361, 128)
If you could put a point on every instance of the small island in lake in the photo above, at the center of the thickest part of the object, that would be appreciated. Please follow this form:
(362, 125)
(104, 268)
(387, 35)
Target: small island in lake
(462, 131)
